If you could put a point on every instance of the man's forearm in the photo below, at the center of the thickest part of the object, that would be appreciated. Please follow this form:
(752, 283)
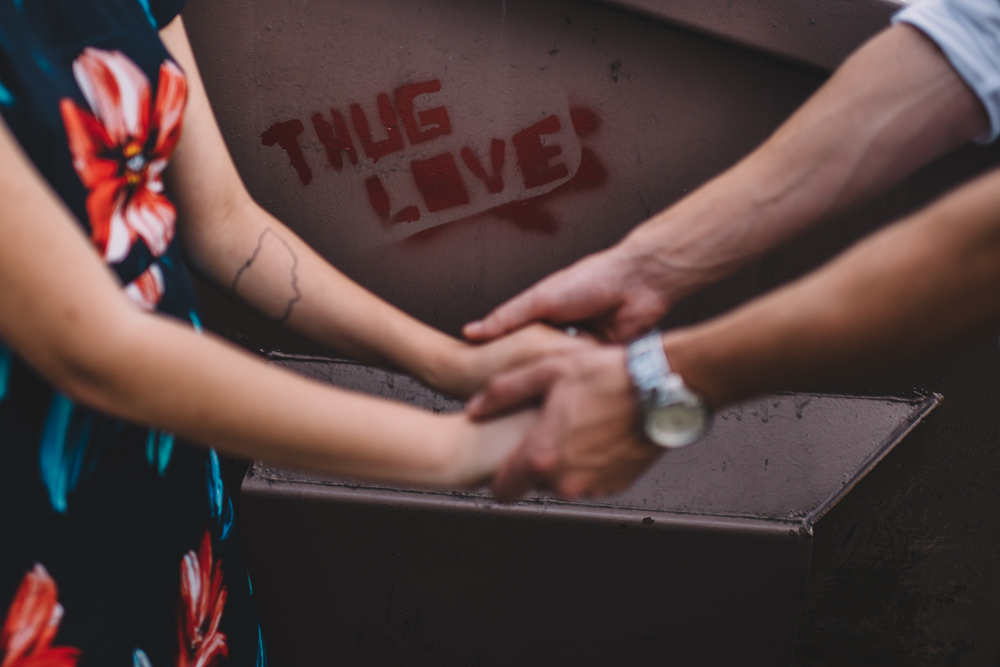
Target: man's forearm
(893, 106)
(915, 286)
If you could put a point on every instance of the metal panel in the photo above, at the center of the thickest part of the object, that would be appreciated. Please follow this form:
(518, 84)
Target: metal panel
(714, 541)
(903, 568)
(364, 578)
(784, 458)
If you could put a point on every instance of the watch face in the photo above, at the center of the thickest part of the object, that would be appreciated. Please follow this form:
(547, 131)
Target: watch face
(676, 425)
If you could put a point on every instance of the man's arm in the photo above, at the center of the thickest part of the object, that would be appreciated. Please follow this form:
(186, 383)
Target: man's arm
(893, 106)
(918, 285)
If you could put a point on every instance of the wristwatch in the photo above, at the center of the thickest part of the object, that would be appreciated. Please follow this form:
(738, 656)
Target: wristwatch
(672, 414)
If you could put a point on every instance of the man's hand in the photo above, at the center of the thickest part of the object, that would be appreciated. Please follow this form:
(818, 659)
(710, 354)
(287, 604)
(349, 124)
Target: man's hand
(602, 292)
(585, 442)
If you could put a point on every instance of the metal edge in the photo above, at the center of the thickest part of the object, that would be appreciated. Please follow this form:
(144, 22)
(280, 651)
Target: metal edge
(262, 475)
(811, 32)
(536, 511)
(921, 410)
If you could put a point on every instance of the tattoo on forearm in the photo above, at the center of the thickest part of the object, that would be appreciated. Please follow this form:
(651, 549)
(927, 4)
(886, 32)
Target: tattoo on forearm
(256, 280)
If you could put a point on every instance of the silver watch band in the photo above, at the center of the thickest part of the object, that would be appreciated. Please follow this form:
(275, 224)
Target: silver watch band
(647, 363)
(673, 415)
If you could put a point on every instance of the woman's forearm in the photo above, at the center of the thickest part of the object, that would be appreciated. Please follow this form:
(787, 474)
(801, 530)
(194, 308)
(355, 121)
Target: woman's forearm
(251, 255)
(260, 261)
(154, 371)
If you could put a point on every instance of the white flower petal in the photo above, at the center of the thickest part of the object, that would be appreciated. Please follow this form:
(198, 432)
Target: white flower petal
(119, 237)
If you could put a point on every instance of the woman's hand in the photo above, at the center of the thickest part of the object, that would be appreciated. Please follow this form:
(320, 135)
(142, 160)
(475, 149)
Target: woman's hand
(464, 368)
(482, 447)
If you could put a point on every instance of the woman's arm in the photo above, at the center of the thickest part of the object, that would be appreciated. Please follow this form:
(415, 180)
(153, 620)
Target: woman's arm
(64, 312)
(246, 251)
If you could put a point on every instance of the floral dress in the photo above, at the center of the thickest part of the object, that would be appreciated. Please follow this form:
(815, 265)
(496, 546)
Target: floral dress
(117, 542)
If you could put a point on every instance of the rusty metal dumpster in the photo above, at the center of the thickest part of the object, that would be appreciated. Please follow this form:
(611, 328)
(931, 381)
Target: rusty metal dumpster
(448, 153)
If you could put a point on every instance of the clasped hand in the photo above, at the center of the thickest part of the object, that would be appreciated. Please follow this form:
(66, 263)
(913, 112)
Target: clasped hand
(584, 441)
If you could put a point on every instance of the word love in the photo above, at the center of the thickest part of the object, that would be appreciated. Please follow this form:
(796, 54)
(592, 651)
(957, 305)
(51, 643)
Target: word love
(413, 168)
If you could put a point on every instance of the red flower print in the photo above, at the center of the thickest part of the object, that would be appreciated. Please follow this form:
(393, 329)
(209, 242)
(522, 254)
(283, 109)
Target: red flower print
(147, 290)
(121, 147)
(203, 598)
(32, 623)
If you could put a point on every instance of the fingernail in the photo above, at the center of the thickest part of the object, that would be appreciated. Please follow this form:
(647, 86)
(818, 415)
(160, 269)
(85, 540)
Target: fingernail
(474, 403)
(473, 328)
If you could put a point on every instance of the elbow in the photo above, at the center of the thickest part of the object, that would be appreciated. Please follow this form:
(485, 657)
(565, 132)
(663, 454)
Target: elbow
(93, 364)
(87, 384)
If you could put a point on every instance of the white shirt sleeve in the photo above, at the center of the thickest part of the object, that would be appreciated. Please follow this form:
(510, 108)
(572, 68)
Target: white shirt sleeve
(968, 33)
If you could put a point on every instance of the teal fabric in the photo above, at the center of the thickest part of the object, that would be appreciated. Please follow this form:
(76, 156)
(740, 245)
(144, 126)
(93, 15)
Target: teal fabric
(130, 528)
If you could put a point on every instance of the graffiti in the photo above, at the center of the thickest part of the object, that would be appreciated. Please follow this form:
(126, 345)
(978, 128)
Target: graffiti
(419, 127)
(414, 168)
(532, 214)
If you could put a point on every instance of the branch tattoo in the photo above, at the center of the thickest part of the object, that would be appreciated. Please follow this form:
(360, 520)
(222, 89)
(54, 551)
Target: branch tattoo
(272, 257)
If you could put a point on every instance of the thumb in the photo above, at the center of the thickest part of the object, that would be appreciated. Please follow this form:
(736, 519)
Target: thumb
(530, 466)
(513, 314)
(513, 388)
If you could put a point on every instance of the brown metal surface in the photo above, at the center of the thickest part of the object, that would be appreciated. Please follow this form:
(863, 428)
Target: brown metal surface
(714, 541)
(786, 458)
(813, 32)
(651, 98)
(372, 578)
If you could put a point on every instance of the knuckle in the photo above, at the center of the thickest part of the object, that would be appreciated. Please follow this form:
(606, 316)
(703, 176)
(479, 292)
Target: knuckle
(574, 488)
(542, 463)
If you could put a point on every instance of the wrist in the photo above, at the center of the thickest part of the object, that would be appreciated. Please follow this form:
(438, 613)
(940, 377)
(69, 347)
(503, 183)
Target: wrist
(462, 465)
(480, 448)
(443, 364)
(703, 365)
(672, 413)
(704, 237)
(647, 260)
